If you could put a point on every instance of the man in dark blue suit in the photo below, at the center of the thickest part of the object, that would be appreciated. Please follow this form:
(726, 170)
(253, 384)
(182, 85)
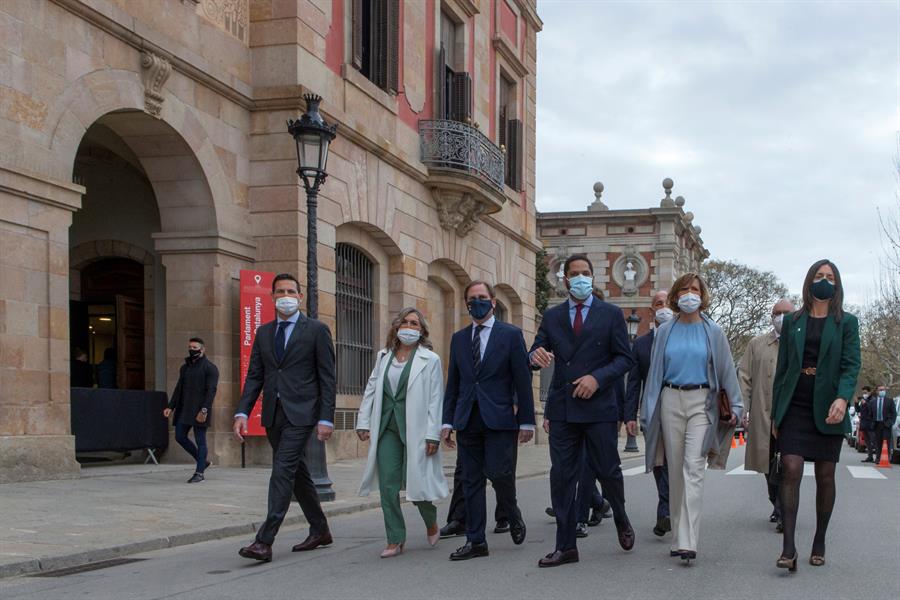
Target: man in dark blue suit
(588, 340)
(489, 401)
(636, 379)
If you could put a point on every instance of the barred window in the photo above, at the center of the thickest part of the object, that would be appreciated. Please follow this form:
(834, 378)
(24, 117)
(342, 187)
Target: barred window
(354, 337)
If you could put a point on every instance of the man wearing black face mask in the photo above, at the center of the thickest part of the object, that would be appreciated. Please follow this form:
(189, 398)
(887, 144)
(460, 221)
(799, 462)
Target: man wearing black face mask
(192, 402)
(489, 401)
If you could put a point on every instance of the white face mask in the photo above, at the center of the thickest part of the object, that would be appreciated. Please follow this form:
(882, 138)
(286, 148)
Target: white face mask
(287, 305)
(777, 320)
(664, 315)
(689, 303)
(408, 337)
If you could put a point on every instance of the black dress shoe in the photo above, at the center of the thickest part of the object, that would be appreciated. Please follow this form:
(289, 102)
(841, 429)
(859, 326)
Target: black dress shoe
(517, 531)
(773, 518)
(626, 537)
(606, 510)
(663, 525)
(595, 519)
(313, 541)
(502, 526)
(550, 512)
(687, 555)
(581, 530)
(257, 551)
(674, 553)
(452, 528)
(468, 551)
(196, 478)
(559, 557)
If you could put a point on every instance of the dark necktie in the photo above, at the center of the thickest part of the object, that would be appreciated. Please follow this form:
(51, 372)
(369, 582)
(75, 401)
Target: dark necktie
(279, 340)
(579, 321)
(879, 417)
(476, 347)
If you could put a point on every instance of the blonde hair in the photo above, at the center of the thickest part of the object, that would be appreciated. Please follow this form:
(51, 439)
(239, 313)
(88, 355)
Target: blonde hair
(684, 282)
(393, 342)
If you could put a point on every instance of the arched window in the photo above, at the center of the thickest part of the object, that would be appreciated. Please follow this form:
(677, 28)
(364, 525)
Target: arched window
(354, 336)
(500, 312)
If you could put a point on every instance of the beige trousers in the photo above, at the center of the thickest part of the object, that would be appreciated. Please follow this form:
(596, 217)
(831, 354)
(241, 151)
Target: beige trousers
(684, 425)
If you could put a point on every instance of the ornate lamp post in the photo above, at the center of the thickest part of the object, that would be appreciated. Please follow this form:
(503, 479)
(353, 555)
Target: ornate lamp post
(633, 321)
(313, 136)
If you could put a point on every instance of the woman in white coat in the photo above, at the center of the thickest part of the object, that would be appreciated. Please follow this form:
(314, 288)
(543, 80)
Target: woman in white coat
(401, 416)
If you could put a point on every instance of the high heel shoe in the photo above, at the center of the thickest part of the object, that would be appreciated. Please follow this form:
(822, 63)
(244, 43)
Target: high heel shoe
(389, 552)
(433, 537)
(817, 560)
(787, 563)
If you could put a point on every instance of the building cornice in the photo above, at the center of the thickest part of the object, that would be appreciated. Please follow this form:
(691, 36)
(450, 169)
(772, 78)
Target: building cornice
(37, 187)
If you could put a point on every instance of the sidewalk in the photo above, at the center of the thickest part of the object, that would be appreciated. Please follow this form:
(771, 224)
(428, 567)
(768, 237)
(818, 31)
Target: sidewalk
(113, 511)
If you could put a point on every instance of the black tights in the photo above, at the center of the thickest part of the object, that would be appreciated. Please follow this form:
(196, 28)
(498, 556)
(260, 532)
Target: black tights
(792, 474)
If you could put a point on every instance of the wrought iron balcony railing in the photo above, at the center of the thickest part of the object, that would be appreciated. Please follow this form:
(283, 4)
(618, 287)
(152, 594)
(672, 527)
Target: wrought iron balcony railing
(455, 145)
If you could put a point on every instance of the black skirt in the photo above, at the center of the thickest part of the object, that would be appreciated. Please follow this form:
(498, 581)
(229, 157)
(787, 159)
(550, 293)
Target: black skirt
(798, 434)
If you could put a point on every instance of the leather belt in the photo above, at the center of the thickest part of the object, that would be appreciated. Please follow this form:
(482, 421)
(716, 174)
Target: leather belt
(687, 388)
(808, 371)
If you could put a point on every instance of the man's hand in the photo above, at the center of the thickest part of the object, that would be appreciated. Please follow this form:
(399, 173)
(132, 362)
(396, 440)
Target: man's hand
(631, 428)
(525, 435)
(323, 432)
(836, 412)
(167, 412)
(732, 422)
(447, 436)
(201, 417)
(430, 447)
(363, 435)
(585, 387)
(541, 358)
(546, 426)
(239, 427)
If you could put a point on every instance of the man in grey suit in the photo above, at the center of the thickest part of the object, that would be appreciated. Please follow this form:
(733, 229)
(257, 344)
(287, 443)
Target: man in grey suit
(292, 363)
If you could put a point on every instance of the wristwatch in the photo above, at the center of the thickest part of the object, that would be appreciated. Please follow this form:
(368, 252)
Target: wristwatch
(204, 410)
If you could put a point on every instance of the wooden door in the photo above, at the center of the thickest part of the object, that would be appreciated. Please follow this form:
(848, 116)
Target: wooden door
(129, 343)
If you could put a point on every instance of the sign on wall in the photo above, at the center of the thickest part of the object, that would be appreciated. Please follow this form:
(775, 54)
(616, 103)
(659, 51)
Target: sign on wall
(256, 308)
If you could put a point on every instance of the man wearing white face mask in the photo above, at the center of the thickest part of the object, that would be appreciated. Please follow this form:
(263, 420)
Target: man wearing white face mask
(757, 374)
(292, 363)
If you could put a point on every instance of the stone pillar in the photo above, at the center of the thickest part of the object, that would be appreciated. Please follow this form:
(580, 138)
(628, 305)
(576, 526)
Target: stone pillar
(36, 441)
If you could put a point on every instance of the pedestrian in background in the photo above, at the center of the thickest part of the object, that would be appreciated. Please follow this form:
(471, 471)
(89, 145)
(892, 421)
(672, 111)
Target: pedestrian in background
(865, 423)
(882, 413)
(818, 363)
(400, 416)
(192, 402)
(690, 366)
(757, 373)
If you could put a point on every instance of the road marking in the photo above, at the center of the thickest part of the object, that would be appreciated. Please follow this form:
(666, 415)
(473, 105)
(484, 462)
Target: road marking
(741, 471)
(809, 470)
(634, 471)
(865, 473)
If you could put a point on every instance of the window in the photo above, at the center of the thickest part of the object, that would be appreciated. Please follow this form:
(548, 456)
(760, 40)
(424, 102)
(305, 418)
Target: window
(376, 41)
(455, 86)
(500, 312)
(510, 133)
(354, 336)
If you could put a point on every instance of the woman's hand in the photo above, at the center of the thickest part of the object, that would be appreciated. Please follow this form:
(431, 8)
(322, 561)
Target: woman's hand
(836, 412)
(431, 447)
(363, 435)
(733, 421)
(774, 431)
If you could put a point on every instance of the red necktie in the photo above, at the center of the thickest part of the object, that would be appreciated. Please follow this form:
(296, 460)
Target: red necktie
(576, 326)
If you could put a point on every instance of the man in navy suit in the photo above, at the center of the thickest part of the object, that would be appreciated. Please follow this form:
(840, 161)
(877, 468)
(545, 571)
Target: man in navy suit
(489, 401)
(588, 340)
(637, 377)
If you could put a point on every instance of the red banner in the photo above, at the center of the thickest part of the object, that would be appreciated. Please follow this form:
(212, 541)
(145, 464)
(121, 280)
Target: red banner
(256, 308)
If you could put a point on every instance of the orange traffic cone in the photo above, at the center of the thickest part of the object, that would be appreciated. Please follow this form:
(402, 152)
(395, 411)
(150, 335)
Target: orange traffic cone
(733, 443)
(885, 462)
(741, 441)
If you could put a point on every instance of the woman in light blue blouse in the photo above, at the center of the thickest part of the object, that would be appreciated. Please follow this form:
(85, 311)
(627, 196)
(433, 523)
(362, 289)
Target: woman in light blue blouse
(689, 365)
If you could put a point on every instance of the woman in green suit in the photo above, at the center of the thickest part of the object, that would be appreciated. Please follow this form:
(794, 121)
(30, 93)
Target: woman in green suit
(818, 363)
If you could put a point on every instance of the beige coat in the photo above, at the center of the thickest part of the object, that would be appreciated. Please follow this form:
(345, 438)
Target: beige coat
(756, 374)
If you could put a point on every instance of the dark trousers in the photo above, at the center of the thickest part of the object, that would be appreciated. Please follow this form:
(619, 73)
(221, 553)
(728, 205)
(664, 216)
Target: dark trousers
(457, 510)
(871, 440)
(567, 440)
(879, 434)
(486, 454)
(661, 475)
(290, 476)
(773, 481)
(587, 495)
(198, 451)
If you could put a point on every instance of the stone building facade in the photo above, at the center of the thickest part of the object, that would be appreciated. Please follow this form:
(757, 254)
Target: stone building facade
(146, 161)
(635, 252)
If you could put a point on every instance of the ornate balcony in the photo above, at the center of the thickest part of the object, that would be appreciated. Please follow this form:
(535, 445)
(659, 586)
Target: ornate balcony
(465, 172)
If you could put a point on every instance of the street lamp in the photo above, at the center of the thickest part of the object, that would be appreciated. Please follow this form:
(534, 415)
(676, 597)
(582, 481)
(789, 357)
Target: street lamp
(313, 136)
(633, 321)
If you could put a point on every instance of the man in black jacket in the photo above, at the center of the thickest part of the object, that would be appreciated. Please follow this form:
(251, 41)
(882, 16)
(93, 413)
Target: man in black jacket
(192, 401)
(882, 414)
(292, 364)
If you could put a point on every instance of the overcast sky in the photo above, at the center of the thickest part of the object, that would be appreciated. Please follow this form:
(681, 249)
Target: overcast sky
(777, 121)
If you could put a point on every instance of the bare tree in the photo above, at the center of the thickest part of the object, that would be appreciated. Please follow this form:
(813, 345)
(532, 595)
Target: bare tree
(741, 300)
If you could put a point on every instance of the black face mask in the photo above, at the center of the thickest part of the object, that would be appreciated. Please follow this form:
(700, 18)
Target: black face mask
(195, 354)
(822, 289)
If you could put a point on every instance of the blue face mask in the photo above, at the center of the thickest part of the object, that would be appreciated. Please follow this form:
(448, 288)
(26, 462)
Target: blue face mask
(822, 289)
(581, 286)
(882, 393)
(479, 308)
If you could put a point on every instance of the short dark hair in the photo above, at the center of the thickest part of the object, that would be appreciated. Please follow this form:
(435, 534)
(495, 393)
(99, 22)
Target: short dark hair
(572, 259)
(285, 277)
(198, 340)
(472, 284)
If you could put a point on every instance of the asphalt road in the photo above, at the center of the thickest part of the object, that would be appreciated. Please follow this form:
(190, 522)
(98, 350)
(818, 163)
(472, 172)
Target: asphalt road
(736, 556)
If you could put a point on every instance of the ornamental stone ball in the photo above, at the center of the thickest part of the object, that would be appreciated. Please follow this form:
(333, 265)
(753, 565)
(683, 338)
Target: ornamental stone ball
(598, 189)
(689, 217)
(698, 229)
(668, 184)
(679, 201)
(667, 202)
(598, 204)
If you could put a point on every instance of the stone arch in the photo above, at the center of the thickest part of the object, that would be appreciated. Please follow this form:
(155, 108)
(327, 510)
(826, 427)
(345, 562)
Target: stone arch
(512, 301)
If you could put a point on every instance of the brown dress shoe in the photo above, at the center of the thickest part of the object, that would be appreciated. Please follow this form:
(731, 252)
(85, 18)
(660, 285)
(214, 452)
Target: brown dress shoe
(313, 541)
(257, 551)
(559, 557)
(626, 537)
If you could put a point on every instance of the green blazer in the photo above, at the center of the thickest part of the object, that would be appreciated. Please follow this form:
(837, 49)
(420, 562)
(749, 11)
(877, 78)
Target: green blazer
(836, 371)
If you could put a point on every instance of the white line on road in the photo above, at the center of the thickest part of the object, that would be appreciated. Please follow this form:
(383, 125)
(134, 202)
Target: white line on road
(633, 471)
(742, 471)
(865, 473)
(809, 470)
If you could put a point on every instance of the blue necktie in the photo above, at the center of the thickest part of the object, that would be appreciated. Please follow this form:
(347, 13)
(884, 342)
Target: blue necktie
(476, 347)
(880, 417)
(279, 340)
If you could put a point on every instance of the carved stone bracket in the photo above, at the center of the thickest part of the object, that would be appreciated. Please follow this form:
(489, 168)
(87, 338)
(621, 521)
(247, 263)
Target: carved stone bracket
(156, 71)
(458, 211)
